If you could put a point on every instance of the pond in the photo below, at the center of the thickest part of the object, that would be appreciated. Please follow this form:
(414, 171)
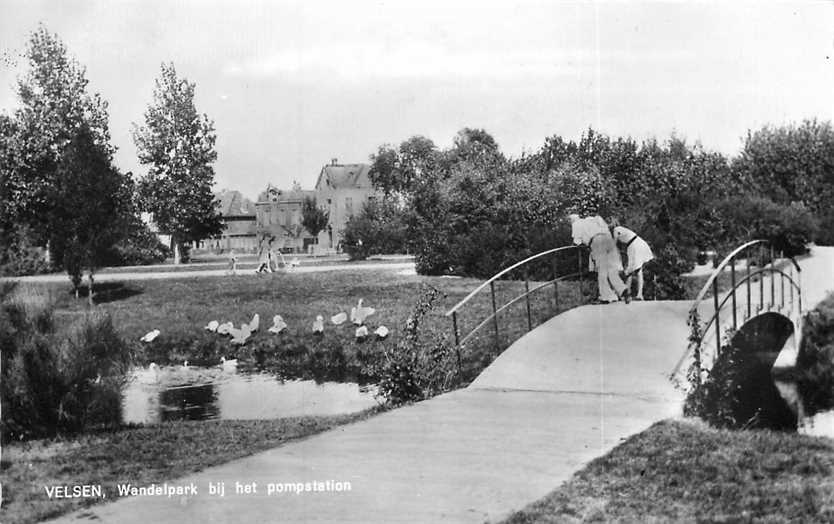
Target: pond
(198, 393)
(818, 423)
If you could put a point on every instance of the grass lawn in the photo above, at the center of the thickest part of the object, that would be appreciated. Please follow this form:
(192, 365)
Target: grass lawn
(181, 307)
(140, 456)
(685, 471)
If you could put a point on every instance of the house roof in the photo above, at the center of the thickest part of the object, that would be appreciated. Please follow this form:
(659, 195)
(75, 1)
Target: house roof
(344, 176)
(273, 194)
(233, 203)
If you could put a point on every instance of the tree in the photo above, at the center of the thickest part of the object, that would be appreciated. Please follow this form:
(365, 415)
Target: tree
(177, 144)
(793, 163)
(313, 218)
(55, 104)
(92, 207)
(396, 171)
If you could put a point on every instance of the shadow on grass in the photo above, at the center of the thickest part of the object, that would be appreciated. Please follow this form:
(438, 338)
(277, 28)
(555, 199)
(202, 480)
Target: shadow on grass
(109, 292)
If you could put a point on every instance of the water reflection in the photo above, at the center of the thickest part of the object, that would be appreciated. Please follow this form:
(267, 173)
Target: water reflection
(810, 422)
(178, 393)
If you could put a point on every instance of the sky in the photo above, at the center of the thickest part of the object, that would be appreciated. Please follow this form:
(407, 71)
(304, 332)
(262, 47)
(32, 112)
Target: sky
(292, 85)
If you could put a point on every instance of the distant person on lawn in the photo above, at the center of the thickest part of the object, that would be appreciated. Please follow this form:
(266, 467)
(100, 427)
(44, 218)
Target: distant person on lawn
(232, 262)
(264, 257)
(606, 261)
(638, 252)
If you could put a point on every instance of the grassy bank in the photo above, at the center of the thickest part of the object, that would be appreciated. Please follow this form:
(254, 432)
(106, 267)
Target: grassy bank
(685, 471)
(139, 455)
(181, 307)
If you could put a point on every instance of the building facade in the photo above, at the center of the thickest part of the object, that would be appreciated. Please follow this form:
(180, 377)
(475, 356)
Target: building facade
(279, 216)
(342, 189)
(239, 225)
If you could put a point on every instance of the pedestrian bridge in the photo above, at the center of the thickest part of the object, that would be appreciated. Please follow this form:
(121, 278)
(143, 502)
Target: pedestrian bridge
(647, 348)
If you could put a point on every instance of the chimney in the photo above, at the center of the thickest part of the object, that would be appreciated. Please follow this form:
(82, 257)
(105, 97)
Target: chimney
(333, 161)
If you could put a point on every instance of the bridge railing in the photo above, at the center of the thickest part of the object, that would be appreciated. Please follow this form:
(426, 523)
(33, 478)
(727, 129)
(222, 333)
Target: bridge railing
(748, 296)
(575, 267)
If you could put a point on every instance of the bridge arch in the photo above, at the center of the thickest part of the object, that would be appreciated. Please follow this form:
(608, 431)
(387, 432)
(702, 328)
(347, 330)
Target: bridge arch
(744, 324)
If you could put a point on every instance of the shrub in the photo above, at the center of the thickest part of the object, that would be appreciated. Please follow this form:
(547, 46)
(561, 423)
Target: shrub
(141, 247)
(19, 256)
(379, 229)
(418, 367)
(789, 228)
(815, 362)
(663, 274)
(57, 382)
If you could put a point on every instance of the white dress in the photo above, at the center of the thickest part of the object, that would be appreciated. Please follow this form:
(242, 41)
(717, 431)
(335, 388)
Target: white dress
(638, 251)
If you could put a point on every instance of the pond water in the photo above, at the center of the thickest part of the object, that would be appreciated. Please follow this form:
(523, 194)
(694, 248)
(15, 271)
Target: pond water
(195, 393)
(809, 421)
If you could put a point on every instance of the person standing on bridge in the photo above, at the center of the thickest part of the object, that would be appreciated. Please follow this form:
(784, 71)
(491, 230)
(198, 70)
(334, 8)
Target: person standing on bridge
(638, 253)
(594, 233)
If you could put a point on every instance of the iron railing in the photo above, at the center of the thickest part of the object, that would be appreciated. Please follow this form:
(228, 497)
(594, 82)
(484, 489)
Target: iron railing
(768, 267)
(454, 312)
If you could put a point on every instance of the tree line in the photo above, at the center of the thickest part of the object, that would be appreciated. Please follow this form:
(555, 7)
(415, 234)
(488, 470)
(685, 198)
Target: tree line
(471, 210)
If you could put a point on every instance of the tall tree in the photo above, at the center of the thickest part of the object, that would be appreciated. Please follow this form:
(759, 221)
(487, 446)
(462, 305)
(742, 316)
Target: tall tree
(313, 218)
(177, 143)
(395, 171)
(92, 207)
(54, 105)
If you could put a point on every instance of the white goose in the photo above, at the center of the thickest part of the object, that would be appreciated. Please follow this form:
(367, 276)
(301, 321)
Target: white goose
(149, 337)
(361, 333)
(339, 318)
(359, 313)
(240, 336)
(212, 326)
(318, 325)
(381, 332)
(278, 325)
(228, 365)
(255, 324)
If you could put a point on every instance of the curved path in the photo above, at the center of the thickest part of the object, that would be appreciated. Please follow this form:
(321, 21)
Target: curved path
(565, 393)
(201, 273)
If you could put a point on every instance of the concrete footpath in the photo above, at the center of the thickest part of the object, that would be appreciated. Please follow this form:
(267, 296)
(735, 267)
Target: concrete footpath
(563, 394)
(566, 392)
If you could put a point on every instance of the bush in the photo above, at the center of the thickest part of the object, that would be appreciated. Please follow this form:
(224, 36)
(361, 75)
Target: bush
(815, 362)
(789, 228)
(379, 229)
(19, 256)
(663, 274)
(57, 382)
(141, 247)
(417, 368)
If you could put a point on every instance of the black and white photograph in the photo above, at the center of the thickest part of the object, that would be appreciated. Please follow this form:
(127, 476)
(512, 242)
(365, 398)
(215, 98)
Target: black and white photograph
(286, 261)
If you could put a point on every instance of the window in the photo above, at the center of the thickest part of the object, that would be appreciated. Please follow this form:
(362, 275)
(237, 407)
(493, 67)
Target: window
(349, 206)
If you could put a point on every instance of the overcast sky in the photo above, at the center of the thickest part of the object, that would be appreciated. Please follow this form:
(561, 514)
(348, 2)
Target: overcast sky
(291, 85)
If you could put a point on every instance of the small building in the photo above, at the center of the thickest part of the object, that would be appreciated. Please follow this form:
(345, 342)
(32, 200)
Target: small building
(240, 228)
(279, 216)
(342, 189)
